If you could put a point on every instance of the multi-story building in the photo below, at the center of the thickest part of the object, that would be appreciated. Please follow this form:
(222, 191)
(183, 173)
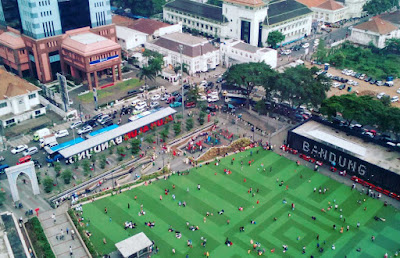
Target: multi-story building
(42, 26)
(9, 14)
(234, 51)
(246, 20)
(330, 12)
(198, 54)
(19, 100)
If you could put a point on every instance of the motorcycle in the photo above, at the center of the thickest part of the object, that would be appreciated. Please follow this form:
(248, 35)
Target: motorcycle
(1, 158)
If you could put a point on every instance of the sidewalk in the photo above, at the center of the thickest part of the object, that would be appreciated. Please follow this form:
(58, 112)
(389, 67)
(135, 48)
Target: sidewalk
(53, 229)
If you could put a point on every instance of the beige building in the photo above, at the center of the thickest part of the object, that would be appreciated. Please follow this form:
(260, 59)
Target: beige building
(330, 12)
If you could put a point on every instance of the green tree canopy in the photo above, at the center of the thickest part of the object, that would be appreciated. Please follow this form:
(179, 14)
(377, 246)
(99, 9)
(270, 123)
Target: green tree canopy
(393, 45)
(274, 38)
(248, 75)
(374, 7)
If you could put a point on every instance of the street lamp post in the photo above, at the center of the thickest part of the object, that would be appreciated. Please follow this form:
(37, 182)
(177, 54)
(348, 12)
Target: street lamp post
(181, 55)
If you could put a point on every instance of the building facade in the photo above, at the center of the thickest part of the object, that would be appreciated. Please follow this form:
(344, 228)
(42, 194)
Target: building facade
(375, 31)
(233, 51)
(130, 39)
(19, 100)
(198, 54)
(330, 12)
(42, 26)
(246, 20)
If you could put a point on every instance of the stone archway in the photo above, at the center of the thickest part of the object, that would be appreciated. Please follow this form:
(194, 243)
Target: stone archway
(28, 169)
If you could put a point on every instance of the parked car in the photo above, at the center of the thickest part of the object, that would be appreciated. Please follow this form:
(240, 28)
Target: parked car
(175, 104)
(106, 121)
(85, 129)
(103, 118)
(286, 52)
(202, 98)
(19, 148)
(133, 92)
(75, 124)
(141, 105)
(219, 80)
(165, 97)
(380, 95)
(61, 133)
(135, 101)
(154, 104)
(341, 87)
(212, 98)
(372, 81)
(296, 48)
(389, 84)
(191, 104)
(398, 90)
(97, 117)
(155, 97)
(394, 99)
(367, 79)
(305, 45)
(30, 151)
(379, 83)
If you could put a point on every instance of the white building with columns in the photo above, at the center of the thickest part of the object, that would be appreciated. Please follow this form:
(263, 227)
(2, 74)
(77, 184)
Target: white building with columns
(19, 100)
(233, 51)
(246, 20)
(198, 53)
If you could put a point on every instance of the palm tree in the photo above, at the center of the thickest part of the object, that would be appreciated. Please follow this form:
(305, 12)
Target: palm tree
(147, 72)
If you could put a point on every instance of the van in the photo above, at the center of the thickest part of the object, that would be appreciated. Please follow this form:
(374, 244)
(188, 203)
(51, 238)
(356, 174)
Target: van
(40, 134)
(24, 160)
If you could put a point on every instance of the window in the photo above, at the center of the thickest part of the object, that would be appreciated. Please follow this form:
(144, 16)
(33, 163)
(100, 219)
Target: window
(11, 121)
(3, 104)
(37, 112)
(32, 96)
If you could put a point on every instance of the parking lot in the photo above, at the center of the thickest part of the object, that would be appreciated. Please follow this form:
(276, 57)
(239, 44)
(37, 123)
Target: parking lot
(363, 88)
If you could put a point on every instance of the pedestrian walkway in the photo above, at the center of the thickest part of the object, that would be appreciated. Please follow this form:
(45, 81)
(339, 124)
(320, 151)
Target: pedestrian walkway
(61, 248)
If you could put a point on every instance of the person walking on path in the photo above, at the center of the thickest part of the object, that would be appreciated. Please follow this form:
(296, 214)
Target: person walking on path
(70, 251)
(67, 230)
(54, 217)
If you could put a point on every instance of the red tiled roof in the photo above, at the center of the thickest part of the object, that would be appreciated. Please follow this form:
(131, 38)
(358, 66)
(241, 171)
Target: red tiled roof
(377, 25)
(147, 26)
(11, 85)
(121, 20)
(311, 3)
(252, 3)
(330, 5)
(12, 40)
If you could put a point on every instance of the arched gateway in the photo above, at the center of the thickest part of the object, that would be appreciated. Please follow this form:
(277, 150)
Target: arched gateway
(28, 169)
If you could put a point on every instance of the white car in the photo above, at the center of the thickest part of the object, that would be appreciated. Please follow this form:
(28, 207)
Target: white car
(380, 95)
(349, 72)
(103, 118)
(19, 148)
(76, 124)
(286, 52)
(344, 71)
(155, 97)
(30, 151)
(134, 102)
(213, 93)
(202, 98)
(154, 104)
(394, 99)
(398, 91)
(85, 129)
(61, 133)
(203, 83)
(213, 98)
(141, 105)
(335, 84)
(305, 45)
(165, 97)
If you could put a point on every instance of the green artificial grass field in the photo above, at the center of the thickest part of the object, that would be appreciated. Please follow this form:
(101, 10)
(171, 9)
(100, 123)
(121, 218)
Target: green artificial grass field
(229, 192)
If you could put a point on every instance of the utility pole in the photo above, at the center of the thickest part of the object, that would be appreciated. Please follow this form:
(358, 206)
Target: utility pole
(183, 102)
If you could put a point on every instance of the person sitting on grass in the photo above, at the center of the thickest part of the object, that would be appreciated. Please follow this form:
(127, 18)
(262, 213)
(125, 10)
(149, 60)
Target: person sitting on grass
(171, 229)
(221, 212)
(178, 234)
(253, 222)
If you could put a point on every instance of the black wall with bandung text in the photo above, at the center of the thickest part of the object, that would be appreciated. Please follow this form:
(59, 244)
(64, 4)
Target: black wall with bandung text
(354, 166)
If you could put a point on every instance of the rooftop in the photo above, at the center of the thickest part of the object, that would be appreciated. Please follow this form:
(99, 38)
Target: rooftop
(246, 47)
(372, 153)
(133, 244)
(123, 129)
(125, 32)
(147, 26)
(377, 25)
(12, 40)
(311, 3)
(283, 10)
(12, 85)
(393, 17)
(121, 20)
(192, 46)
(88, 43)
(207, 11)
(330, 5)
(251, 3)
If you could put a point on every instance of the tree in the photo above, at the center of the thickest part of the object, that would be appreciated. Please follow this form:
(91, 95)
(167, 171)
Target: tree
(248, 75)
(177, 128)
(66, 175)
(149, 138)
(121, 153)
(57, 168)
(201, 117)
(164, 133)
(215, 2)
(135, 146)
(261, 107)
(192, 94)
(299, 86)
(48, 184)
(2, 198)
(189, 124)
(393, 45)
(153, 67)
(321, 51)
(103, 161)
(374, 7)
(146, 73)
(177, 68)
(86, 167)
(93, 157)
(274, 38)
